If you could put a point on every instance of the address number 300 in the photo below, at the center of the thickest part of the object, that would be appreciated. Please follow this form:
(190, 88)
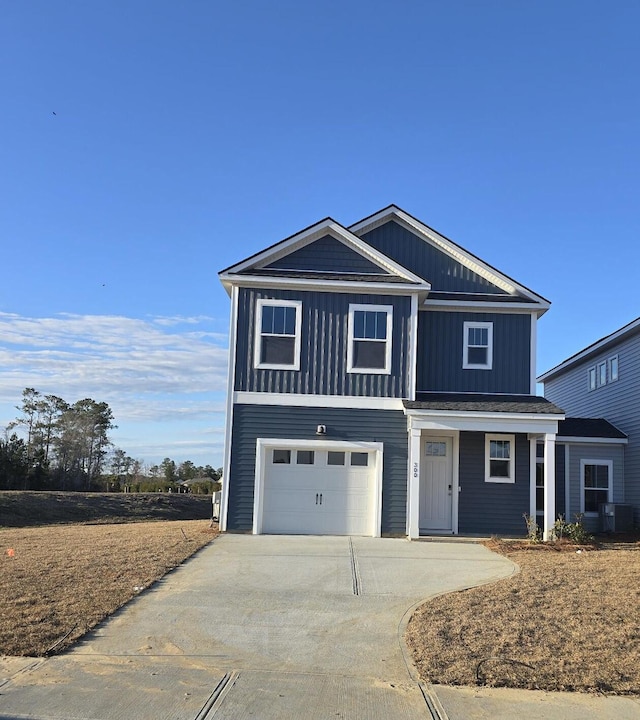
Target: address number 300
(415, 469)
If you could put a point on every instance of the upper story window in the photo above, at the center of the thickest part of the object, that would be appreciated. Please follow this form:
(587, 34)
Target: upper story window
(602, 373)
(369, 348)
(478, 346)
(499, 457)
(278, 331)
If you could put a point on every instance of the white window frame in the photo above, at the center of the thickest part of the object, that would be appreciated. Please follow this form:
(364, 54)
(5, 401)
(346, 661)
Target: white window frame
(466, 365)
(386, 370)
(487, 459)
(602, 370)
(614, 377)
(583, 463)
(257, 343)
(592, 378)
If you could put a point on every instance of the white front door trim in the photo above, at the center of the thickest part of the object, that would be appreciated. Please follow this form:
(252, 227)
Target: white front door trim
(263, 445)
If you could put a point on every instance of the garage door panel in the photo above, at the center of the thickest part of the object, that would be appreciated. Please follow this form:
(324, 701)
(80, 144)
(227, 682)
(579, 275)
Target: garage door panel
(319, 499)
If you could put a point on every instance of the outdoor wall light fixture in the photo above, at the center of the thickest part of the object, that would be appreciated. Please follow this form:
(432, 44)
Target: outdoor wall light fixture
(321, 430)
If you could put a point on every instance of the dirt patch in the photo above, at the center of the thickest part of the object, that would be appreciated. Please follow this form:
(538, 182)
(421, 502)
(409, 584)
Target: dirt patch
(28, 509)
(569, 620)
(57, 582)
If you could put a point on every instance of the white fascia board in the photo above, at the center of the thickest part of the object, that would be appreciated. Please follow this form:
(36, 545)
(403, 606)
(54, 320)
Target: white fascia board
(594, 349)
(355, 286)
(480, 306)
(484, 422)
(450, 248)
(319, 401)
(315, 232)
(591, 440)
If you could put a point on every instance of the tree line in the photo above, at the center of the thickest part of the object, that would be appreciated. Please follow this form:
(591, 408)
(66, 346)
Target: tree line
(55, 445)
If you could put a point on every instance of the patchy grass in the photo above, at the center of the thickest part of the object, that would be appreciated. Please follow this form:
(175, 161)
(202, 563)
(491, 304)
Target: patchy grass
(26, 509)
(57, 582)
(569, 620)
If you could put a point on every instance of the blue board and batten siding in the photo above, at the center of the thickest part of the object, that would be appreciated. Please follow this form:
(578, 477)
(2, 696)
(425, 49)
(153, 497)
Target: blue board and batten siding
(299, 423)
(618, 402)
(327, 255)
(492, 508)
(427, 261)
(440, 348)
(323, 361)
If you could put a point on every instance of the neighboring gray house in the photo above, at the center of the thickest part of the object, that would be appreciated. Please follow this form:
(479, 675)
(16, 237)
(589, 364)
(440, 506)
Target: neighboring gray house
(603, 381)
(382, 382)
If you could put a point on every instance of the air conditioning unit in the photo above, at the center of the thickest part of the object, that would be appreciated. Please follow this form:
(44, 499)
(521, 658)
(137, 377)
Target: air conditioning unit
(615, 518)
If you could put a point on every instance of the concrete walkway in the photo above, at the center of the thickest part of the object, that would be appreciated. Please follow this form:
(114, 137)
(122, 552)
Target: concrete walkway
(274, 627)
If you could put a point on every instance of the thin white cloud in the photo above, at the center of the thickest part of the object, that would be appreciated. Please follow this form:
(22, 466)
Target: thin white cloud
(156, 370)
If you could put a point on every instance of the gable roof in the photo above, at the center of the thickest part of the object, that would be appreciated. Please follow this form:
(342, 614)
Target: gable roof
(267, 264)
(598, 346)
(465, 258)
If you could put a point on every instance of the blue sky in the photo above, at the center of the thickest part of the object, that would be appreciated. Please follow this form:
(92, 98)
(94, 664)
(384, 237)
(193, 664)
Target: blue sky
(187, 136)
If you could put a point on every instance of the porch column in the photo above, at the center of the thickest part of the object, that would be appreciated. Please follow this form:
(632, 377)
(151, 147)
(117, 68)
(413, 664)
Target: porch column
(533, 457)
(549, 484)
(413, 484)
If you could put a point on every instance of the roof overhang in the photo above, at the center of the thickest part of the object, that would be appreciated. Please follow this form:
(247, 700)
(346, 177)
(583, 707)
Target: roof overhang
(499, 422)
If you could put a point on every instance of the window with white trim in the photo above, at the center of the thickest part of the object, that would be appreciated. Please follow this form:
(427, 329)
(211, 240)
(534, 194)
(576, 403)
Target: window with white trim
(602, 374)
(277, 336)
(478, 346)
(369, 339)
(613, 368)
(499, 458)
(596, 480)
(592, 378)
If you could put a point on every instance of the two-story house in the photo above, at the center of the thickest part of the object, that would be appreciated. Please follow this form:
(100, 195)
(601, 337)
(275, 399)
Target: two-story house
(382, 382)
(601, 381)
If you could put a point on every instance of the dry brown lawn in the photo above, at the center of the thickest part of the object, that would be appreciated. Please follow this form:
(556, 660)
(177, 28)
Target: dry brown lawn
(568, 620)
(57, 582)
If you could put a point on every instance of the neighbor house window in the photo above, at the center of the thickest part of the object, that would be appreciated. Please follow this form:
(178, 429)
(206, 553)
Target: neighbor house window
(478, 346)
(602, 373)
(592, 378)
(369, 338)
(613, 368)
(277, 338)
(596, 476)
(500, 458)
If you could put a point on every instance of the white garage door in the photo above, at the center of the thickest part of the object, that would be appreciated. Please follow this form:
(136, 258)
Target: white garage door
(318, 492)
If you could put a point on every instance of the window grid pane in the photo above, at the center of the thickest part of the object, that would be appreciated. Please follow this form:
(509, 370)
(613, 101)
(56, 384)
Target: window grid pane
(282, 457)
(369, 325)
(335, 458)
(305, 457)
(278, 320)
(359, 459)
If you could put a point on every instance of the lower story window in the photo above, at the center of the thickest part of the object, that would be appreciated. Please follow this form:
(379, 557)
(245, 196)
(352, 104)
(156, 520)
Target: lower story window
(596, 484)
(499, 457)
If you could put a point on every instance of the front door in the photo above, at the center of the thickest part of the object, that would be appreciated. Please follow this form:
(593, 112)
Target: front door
(436, 484)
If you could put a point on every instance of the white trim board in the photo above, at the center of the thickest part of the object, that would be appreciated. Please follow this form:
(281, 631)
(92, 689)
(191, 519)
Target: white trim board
(231, 374)
(328, 401)
(590, 440)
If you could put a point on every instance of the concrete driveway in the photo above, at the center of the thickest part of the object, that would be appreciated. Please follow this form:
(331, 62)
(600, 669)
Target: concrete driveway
(264, 627)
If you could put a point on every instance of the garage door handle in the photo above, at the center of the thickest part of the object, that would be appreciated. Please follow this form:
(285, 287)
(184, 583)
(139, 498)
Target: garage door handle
(320, 498)
(316, 498)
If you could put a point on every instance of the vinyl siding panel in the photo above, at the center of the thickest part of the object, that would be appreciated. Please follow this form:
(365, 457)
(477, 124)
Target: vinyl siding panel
(323, 362)
(589, 451)
(440, 349)
(491, 508)
(253, 421)
(422, 258)
(327, 255)
(617, 402)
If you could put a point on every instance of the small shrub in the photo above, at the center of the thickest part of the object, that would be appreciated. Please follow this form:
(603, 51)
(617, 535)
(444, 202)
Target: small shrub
(575, 532)
(534, 532)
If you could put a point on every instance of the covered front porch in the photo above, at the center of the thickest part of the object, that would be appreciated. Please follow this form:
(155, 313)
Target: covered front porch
(472, 463)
